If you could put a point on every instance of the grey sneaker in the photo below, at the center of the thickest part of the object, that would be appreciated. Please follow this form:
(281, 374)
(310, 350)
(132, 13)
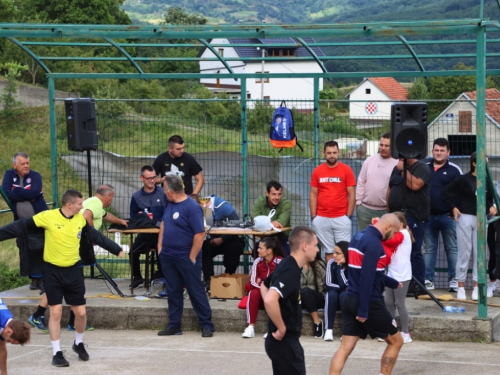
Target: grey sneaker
(453, 285)
(429, 285)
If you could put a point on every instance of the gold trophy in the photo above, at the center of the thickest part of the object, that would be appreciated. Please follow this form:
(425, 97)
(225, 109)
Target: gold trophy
(204, 201)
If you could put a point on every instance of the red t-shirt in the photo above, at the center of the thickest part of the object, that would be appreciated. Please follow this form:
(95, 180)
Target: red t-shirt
(332, 184)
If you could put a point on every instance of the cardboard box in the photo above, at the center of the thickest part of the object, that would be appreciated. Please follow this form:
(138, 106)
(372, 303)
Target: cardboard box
(228, 286)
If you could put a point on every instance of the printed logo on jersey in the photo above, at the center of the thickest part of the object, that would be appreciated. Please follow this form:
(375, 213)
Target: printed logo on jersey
(336, 180)
(175, 215)
(394, 323)
(176, 171)
(59, 226)
(15, 179)
(281, 285)
(28, 181)
(79, 235)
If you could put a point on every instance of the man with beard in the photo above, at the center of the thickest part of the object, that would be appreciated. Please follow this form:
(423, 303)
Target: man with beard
(273, 200)
(363, 308)
(331, 200)
(373, 181)
(443, 172)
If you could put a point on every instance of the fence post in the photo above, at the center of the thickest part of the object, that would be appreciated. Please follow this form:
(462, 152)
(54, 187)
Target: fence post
(480, 165)
(244, 156)
(316, 121)
(53, 141)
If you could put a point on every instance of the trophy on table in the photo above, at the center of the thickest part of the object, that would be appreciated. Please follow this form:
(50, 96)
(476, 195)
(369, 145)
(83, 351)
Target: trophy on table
(204, 201)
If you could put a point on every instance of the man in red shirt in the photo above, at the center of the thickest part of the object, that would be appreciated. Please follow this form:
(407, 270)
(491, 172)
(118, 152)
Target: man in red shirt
(332, 199)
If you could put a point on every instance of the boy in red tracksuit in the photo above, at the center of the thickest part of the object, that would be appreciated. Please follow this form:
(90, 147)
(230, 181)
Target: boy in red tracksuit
(270, 255)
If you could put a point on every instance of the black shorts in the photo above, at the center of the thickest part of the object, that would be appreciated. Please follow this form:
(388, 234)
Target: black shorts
(67, 282)
(287, 355)
(380, 323)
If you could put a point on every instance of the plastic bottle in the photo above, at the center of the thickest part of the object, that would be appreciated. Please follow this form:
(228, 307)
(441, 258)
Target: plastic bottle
(454, 309)
(150, 214)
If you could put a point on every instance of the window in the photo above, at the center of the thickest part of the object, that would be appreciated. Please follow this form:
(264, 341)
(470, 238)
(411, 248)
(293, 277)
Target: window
(464, 121)
(259, 80)
(249, 96)
(462, 144)
(221, 52)
(368, 91)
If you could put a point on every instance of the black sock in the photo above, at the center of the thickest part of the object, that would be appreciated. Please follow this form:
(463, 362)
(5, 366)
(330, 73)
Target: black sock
(71, 321)
(40, 311)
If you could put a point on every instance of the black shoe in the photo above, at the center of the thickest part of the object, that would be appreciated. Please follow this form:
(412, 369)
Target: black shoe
(137, 283)
(206, 332)
(59, 360)
(80, 350)
(170, 331)
(34, 284)
(319, 330)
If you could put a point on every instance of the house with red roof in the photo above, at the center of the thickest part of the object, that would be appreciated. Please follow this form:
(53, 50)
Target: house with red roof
(279, 59)
(370, 102)
(457, 123)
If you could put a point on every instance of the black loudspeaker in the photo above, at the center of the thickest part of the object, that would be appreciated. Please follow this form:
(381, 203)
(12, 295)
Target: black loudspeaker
(409, 130)
(81, 124)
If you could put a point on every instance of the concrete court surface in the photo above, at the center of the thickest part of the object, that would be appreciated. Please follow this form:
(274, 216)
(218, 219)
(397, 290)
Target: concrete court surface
(144, 352)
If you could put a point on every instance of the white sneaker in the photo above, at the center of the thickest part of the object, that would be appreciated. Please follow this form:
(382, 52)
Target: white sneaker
(328, 335)
(453, 285)
(249, 332)
(429, 285)
(461, 293)
(474, 294)
(265, 336)
(490, 290)
(406, 337)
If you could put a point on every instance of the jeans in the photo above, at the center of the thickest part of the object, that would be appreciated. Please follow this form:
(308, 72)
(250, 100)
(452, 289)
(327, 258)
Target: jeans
(417, 227)
(448, 228)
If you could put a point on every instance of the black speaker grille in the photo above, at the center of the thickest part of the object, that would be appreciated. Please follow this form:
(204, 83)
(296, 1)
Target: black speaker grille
(410, 143)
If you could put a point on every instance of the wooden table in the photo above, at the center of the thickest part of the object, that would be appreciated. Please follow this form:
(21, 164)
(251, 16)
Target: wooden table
(131, 233)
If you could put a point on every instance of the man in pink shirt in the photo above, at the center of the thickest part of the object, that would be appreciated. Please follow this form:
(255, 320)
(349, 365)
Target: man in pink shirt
(332, 199)
(373, 181)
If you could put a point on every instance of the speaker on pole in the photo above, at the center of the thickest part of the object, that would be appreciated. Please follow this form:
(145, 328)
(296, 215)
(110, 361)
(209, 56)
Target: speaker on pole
(409, 130)
(81, 124)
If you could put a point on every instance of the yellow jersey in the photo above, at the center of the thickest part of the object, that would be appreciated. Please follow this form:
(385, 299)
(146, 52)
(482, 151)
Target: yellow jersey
(62, 236)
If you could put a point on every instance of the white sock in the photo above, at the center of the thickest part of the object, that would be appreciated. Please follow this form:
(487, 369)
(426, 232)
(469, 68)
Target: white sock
(78, 338)
(56, 346)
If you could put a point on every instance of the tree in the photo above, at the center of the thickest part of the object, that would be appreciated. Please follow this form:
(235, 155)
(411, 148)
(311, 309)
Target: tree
(329, 94)
(176, 16)
(8, 97)
(419, 90)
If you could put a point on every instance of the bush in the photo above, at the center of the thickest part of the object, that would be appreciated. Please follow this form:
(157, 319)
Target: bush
(10, 278)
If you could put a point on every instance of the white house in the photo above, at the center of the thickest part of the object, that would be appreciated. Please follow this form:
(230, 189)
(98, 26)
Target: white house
(457, 123)
(273, 88)
(371, 100)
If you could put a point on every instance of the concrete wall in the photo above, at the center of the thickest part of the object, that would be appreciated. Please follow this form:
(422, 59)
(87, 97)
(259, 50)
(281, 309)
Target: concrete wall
(32, 96)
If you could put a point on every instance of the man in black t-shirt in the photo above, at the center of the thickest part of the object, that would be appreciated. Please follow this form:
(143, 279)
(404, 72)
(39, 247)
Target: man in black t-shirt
(412, 194)
(178, 162)
(281, 294)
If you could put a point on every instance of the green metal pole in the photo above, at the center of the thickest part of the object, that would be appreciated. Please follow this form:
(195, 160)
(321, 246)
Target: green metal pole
(53, 141)
(481, 170)
(316, 121)
(244, 156)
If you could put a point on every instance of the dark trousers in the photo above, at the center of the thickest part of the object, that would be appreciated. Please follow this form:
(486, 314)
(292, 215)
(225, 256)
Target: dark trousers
(334, 298)
(311, 300)
(496, 272)
(287, 355)
(143, 242)
(180, 272)
(231, 249)
(417, 227)
(491, 240)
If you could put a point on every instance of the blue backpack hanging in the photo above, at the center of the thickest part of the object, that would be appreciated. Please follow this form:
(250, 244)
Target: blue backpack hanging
(282, 135)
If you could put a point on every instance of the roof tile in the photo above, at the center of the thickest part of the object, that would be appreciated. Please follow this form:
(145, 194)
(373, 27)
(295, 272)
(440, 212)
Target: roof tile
(492, 108)
(390, 87)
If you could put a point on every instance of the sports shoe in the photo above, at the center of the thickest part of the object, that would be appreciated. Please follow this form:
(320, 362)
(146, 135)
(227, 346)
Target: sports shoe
(328, 335)
(80, 350)
(59, 361)
(87, 327)
(461, 293)
(39, 323)
(265, 335)
(169, 331)
(406, 337)
(249, 332)
(381, 339)
(429, 285)
(453, 285)
(490, 290)
(35, 284)
(474, 294)
(206, 332)
(319, 330)
(137, 283)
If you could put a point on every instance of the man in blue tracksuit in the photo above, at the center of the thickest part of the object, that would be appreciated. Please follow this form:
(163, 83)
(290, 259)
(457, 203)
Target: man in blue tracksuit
(179, 245)
(363, 308)
(230, 246)
(151, 199)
